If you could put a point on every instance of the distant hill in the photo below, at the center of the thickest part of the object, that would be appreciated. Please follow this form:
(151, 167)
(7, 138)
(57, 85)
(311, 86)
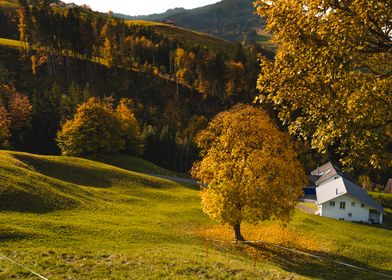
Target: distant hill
(233, 20)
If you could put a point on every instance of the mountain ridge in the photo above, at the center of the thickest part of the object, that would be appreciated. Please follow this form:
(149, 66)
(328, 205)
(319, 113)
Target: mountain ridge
(233, 20)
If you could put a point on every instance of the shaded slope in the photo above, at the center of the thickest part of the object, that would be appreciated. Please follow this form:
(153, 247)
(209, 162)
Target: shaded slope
(38, 184)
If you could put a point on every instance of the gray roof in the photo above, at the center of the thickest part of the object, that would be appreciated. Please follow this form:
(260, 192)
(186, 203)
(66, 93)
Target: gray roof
(324, 173)
(340, 186)
(388, 187)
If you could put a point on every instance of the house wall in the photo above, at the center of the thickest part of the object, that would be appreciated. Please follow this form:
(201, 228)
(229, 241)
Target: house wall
(358, 213)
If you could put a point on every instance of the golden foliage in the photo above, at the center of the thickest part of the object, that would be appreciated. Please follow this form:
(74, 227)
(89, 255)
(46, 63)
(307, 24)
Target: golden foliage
(331, 79)
(129, 127)
(248, 169)
(95, 129)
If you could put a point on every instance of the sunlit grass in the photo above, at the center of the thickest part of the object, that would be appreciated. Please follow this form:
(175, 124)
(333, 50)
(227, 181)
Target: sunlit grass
(90, 220)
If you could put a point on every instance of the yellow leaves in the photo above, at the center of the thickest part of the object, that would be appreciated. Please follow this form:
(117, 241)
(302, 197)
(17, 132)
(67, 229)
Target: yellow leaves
(34, 64)
(249, 168)
(95, 129)
(331, 77)
(273, 233)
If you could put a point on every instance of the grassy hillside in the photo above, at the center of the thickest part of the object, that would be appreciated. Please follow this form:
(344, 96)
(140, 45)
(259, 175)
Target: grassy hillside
(188, 37)
(89, 220)
(228, 19)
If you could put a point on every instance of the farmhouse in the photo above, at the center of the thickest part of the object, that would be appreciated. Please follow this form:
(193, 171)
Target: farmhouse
(338, 197)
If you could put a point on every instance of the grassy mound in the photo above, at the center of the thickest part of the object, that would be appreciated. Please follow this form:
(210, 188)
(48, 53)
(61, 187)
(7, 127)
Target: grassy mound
(137, 165)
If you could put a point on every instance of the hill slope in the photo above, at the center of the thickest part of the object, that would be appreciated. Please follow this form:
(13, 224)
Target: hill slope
(105, 222)
(228, 19)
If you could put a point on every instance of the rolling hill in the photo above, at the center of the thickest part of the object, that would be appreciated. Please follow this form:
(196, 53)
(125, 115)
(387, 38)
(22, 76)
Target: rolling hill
(89, 220)
(186, 36)
(233, 20)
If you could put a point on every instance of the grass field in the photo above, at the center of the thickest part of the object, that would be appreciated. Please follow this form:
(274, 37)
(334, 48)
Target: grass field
(71, 218)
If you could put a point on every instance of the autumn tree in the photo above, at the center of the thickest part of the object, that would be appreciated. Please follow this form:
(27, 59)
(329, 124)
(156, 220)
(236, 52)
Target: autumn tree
(249, 171)
(20, 114)
(331, 78)
(130, 128)
(23, 25)
(5, 124)
(95, 129)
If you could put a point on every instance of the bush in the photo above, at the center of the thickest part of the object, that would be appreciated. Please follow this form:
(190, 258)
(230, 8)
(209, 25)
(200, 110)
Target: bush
(95, 129)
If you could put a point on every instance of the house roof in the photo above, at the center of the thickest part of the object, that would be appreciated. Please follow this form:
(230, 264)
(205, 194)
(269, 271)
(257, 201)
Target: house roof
(340, 186)
(388, 187)
(324, 173)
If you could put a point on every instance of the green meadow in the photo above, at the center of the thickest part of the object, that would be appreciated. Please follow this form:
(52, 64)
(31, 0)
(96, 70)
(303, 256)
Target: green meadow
(72, 218)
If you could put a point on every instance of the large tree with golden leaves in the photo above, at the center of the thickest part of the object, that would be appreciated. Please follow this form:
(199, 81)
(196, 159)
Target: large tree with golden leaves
(331, 79)
(249, 171)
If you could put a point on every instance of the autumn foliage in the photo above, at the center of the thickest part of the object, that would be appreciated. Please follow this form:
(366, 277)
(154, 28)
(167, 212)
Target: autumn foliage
(248, 169)
(98, 129)
(331, 79)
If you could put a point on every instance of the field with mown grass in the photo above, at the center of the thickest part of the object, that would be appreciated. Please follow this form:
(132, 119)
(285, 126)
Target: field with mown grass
(72, 218)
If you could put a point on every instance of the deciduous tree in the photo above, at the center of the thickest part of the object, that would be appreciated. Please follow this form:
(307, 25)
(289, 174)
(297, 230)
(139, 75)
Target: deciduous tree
(249, 171)
(95, 129)
(331, 78)
(130, 128)
(5, 124)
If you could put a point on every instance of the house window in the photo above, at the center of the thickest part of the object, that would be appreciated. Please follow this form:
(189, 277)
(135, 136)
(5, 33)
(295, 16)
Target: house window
(341, 219)
(352, 204)
(342, 205)
(332, 203)
(350, 214)
(362, 205)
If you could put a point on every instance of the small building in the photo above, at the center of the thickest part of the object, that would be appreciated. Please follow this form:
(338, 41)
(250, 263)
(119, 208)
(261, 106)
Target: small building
(339, 198)
(169, 22)
(388, 186)
(70, 5)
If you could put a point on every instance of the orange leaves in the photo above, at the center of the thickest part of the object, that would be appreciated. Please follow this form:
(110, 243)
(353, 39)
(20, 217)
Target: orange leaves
(331, 77)
(98, 129)
(249, 168)
(20, 111)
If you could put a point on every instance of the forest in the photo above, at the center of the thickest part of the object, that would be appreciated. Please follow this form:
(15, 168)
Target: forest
(70, 55)
(173, 86)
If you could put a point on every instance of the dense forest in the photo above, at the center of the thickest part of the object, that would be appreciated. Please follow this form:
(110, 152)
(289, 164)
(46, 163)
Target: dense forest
(173, 86)
(69, 55)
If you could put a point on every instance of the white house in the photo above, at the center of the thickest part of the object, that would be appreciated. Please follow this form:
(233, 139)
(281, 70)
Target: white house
(340, 198)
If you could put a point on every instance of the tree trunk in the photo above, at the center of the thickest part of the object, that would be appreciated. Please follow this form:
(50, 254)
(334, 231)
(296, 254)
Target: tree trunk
(237, 232)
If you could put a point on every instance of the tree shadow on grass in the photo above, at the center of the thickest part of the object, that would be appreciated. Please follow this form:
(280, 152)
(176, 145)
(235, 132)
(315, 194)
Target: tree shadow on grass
(325, 268)
(17, 200)
(11, 235)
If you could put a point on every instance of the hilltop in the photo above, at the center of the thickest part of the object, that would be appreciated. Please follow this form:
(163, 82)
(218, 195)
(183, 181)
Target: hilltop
(233, 20)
